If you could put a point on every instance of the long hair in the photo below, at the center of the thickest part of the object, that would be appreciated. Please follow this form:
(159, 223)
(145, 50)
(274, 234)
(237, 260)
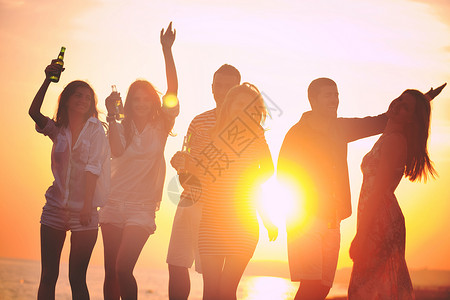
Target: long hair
(155, 112)
(62, 116)
(418, 163)
(254, 110)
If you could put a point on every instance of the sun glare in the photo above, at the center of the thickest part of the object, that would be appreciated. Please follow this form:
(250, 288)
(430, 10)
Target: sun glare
(267, 288)
(170, 101)
(278, 201)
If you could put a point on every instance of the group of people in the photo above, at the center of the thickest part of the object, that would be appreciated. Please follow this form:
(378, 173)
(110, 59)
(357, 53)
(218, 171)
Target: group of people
(225, 159)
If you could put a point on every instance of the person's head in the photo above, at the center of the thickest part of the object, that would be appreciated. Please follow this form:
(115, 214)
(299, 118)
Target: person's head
(412, 110)
(142, 101)
(243, 101)
(224, 79)
(77, 97)
(323, 96)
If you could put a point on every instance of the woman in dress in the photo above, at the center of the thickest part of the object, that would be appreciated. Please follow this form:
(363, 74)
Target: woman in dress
(80, 166)
(138, 170)
(231, 167)
(378, 249)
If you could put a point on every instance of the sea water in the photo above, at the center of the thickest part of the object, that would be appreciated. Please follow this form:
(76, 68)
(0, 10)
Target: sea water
(19, 280)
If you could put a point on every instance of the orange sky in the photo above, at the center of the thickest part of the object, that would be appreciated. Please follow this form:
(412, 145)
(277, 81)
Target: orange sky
(373, 49)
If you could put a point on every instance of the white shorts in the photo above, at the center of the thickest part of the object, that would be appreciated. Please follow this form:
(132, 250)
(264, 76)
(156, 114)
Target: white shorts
(122, 214)
(313, 252)
(183, 246)
(65, 219)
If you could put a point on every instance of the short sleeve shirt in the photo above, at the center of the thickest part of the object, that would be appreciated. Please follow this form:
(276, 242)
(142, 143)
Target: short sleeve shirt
(70, 163)
(137, 176)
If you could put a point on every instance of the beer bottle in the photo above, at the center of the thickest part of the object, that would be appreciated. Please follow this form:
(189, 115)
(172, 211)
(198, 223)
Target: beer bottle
(55, 77)
(119, 106)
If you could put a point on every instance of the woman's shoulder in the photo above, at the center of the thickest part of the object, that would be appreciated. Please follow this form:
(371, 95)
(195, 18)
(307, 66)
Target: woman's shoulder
(96, 125)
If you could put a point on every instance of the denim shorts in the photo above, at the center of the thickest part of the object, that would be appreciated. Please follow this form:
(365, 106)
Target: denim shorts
(65, 219)
(122, 214)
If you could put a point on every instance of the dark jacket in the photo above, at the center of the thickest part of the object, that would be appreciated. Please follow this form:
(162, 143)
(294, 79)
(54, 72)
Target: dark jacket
(315, 161)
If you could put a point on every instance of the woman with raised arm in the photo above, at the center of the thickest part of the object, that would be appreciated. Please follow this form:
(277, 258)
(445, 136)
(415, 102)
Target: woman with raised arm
(378, 249)
(80, 166)
(234, 162)
(138, 169)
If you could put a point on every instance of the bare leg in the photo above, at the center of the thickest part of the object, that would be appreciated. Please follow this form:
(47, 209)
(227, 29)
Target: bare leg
(81, 246)
(179, 283)
(112, 236)
(52, 241)
(133, 240)
(312, 290)
(212, 266)
(231, 275)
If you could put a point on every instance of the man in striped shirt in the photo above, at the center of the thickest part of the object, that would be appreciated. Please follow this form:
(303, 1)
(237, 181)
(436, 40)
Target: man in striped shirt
(183, 248)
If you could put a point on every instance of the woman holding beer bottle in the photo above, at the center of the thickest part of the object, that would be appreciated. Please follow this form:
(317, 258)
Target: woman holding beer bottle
(137, 173)
(80, 166)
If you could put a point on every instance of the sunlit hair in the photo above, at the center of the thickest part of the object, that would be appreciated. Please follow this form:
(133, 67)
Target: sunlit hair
(254, 109)
(228, 70)
(316, 85)
(62, 117)
(418, 163)
(155, 115)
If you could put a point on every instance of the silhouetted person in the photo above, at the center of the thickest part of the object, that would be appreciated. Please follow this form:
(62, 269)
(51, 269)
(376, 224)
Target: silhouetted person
(183, 247)
(80, 166)
(313, 162)
(234, 162)
(313, 158)
(378, 249)
(138, 170)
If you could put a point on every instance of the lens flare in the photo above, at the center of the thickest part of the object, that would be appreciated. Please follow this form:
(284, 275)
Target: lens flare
(170, 101)
(278, 201)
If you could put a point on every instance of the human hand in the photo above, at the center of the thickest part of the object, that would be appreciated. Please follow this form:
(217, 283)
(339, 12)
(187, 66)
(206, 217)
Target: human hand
(272, 231)
(432, 93)
(85, 215)
(179, 161)
(53, 68)
(110, 102)
(168, 37)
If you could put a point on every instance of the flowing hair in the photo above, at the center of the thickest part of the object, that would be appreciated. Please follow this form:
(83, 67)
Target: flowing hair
(255, 109)
(418, 163)
(61, 117)
(156, 115)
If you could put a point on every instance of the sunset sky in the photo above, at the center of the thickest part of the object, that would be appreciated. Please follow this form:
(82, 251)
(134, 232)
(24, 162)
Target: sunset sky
(373, 49)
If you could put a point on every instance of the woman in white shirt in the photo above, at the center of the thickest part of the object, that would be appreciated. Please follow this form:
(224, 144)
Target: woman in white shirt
(137, 174)
(80, 166)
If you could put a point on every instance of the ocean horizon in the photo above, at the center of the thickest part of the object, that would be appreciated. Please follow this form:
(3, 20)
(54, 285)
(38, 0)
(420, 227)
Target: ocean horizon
(19, 280)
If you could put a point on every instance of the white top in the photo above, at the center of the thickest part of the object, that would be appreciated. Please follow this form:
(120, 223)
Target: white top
(137, 176)
(70, 163)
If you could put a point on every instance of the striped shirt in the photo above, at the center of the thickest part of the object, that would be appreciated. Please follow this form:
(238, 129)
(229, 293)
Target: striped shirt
(228, 166)
(197, 136)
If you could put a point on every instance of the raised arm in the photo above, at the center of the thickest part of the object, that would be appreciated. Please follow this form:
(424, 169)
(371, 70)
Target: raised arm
(115, 142)
(432, 93)
(167, 38)
(35, 108)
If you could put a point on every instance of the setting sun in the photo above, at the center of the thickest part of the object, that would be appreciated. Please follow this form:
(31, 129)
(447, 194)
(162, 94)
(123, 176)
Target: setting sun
(279, 201)
(372, 49)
